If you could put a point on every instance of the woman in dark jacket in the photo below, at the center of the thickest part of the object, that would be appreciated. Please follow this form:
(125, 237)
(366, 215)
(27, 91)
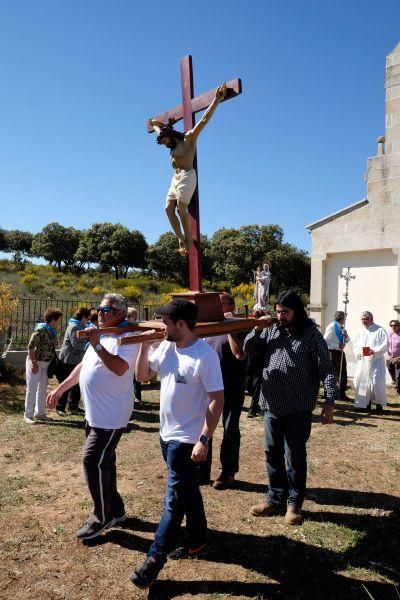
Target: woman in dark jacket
(71, 354)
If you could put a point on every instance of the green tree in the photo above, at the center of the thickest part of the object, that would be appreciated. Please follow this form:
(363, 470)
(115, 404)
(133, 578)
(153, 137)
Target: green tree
(235, 253)
(113, 246)
(3, 244)
(290, 268)
(57, 244)
(165, 260)
(19, 243)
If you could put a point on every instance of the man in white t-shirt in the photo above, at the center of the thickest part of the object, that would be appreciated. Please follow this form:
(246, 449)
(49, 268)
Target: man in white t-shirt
(105, 377)
(191, 403)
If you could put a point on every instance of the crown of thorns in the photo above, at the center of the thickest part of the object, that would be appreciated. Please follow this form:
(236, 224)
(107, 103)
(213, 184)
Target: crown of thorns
(168, 131)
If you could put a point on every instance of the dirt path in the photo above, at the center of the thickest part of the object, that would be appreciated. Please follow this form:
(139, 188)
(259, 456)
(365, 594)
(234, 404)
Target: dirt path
(350, 536)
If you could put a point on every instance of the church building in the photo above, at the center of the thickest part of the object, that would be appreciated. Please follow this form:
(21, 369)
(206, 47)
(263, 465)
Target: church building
(364, 236)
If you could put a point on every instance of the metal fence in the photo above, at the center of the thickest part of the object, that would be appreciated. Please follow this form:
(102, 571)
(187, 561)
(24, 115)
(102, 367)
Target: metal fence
(30, 311)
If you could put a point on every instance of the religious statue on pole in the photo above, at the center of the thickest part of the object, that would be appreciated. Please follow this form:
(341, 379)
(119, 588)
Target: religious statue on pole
(262, 280)
(182, 148)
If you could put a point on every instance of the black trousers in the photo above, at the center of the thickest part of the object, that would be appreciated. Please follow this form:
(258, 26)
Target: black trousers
(73, 395)
(336, 357)
(99, 465)
(230, 446)
(394, 371)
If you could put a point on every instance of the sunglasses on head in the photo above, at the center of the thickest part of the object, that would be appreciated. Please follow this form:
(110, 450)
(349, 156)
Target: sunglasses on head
(104, 309)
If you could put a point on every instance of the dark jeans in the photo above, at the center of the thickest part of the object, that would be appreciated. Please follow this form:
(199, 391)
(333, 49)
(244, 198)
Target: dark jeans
(230, 447)
(99, 465)
(286, 438)
(254, 407)
(137, 389)
(73, 395)
(182, 498)
(394, 372)
(336, 358)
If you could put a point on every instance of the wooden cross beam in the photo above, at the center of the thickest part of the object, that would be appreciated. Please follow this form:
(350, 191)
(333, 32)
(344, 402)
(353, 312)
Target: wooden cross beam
(186, 111)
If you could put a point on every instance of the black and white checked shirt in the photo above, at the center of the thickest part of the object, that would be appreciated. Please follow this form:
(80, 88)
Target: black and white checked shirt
(294, 364)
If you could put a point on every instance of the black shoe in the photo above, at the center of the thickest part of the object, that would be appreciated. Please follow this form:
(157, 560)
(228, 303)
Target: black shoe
(92, 530)
(147, 573)
(188, 552)
(76, 411)
(379, 409)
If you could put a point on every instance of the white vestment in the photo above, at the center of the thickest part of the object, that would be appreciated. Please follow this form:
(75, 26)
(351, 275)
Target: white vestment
(370, 377)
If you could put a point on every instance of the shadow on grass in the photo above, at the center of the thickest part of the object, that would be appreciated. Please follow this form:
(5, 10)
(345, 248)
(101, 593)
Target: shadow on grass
(166, 589)
(305, 571)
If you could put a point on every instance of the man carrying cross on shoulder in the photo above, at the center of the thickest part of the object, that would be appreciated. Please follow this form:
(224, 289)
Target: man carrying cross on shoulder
(182, 151)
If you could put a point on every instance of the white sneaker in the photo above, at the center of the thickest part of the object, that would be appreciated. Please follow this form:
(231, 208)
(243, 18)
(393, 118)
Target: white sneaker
(43, 418)
(29, 421)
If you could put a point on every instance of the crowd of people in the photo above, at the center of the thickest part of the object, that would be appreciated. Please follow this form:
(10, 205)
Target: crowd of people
(281, 362)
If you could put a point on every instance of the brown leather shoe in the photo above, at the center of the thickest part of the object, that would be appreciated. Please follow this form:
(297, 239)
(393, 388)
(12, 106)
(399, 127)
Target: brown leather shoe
(224, 482)
(294, 515)
(265, 510)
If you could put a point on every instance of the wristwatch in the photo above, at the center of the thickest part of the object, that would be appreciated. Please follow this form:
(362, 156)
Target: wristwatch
(98, 347)
(204, 440)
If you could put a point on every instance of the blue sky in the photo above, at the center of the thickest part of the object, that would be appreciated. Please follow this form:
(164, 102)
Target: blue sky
(79, 79)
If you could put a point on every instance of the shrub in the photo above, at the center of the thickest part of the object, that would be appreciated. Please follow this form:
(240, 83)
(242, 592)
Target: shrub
(8, 304)
(79, 288)
(98, 290)
(132, 292)
(7, 266)
(118, 284)
(243, 293)
(29, 279)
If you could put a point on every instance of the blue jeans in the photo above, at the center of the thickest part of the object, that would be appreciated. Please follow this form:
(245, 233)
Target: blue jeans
(182, 498)
(286, 438)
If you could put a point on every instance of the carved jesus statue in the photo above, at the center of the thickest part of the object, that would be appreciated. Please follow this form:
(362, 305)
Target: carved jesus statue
(182, 148)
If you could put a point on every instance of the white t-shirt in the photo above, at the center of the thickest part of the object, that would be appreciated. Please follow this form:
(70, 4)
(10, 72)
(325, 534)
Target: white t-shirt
(216, 342)
(108, 398)
(187, 376)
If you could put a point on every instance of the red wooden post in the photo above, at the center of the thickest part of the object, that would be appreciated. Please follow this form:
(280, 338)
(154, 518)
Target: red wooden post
(188, 123)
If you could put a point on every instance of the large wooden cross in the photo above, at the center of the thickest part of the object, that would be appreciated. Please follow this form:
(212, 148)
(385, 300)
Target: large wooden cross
(186, 111)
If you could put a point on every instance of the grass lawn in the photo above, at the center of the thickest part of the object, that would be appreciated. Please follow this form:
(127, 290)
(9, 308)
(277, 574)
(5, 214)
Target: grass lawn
(348, 546)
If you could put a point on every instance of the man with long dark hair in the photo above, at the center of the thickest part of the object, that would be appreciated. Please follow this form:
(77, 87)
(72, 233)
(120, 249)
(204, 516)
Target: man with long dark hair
(296, 358)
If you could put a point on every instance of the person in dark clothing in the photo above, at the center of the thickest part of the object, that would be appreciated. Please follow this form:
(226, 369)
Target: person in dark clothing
(71, 354)
(233, 367)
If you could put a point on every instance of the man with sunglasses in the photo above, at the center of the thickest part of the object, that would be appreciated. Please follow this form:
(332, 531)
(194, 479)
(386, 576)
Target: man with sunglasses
(105, 377)
(296, 358)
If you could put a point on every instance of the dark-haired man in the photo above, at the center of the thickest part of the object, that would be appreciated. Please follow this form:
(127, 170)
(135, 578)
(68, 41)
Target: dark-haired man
(182, 150)
(191, 402)
(296, 357)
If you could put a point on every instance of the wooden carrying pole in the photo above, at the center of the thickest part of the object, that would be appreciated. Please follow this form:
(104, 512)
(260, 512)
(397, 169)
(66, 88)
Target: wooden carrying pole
(201, 329)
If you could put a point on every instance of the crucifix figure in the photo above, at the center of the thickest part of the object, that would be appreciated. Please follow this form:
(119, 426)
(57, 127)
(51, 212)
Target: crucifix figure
(182, 197)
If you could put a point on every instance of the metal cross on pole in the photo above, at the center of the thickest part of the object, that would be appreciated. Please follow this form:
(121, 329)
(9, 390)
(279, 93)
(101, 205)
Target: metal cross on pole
(347, 277)
(186, 111)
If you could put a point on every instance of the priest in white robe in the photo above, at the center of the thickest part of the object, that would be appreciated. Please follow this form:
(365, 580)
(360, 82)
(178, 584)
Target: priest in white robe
(370, 346)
